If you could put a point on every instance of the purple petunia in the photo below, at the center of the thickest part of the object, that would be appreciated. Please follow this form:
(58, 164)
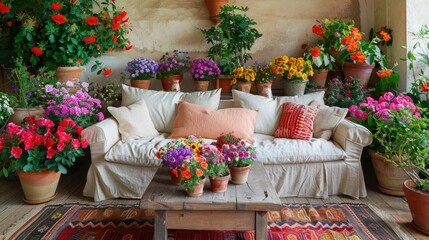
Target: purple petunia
(174, 158)
(204, 70)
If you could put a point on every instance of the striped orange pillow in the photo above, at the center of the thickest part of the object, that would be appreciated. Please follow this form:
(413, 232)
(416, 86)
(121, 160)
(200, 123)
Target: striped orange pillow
(296, 121)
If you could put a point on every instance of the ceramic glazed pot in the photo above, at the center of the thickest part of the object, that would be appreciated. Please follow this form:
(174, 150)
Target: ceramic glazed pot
(244, 86)
(142, 84)
(198, 189)
(39, 187)
(239, 175)
(177, 180)
(389, 177)
(362, 71)
(294, 87)
(419, 204)
(65, 74)
(219, 184)
(172, 84)
(20, 113)
(201, 85)
(319, 78)
(224, 82)
(264, 89)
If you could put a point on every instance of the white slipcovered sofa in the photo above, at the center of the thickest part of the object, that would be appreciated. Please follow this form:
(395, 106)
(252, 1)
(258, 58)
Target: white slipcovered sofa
(326, 165)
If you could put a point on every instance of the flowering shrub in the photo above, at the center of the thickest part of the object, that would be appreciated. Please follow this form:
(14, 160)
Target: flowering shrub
(367, 113)
(344, 93)
(5, 109)
(66, 33)
(63, 101)
(174, 64)
(40, 144)
(142, 68)
(217, 166)
(355, 49)
(319, 57)
(193, 170)
(243, 75)
(106, 93)
(236, 152)
(332, 31)
(204, 70)
(292, 68)
(263, 72)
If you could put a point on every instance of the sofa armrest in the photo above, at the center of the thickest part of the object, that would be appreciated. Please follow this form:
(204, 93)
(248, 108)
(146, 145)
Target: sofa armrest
(352, 138)
(101, 137)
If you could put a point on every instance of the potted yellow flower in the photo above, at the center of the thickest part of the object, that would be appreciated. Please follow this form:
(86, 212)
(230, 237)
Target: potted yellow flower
(295, 72)
(243, 78)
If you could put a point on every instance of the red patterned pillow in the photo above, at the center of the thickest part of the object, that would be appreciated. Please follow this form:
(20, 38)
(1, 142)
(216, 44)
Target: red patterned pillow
(296, 121)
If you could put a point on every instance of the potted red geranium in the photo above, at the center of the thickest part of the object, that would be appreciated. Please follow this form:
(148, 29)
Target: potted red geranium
(40, 149)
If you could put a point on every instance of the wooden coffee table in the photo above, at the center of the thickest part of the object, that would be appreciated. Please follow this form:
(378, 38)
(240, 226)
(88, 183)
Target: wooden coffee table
(241, 207)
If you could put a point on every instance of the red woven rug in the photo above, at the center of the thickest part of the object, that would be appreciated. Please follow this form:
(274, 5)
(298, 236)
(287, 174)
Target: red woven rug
(297, 222)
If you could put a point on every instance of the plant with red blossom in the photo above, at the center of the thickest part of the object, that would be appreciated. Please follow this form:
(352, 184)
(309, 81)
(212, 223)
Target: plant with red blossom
(72, 100)
(344, 92)
(319, 57)
(331, 31)
(39, 144)
(66, 33)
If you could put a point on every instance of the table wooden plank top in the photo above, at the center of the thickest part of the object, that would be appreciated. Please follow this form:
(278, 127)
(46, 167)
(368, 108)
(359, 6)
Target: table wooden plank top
(256, 195)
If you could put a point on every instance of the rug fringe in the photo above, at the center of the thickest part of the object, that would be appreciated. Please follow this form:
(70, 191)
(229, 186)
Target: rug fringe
(395, 227)
(18, 224)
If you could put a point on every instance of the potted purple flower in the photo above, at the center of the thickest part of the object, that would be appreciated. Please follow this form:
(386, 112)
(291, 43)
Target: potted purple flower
(141, 71)
(203, 71)
(171, 68)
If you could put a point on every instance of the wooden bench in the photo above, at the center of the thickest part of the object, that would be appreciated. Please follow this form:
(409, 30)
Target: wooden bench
(241, 207)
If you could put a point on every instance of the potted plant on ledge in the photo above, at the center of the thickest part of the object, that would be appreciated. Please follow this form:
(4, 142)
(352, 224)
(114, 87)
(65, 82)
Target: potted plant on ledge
(230, 40)
(40, 151)
(171, 68)
(141, 71)
(203, 71)
(321, 62)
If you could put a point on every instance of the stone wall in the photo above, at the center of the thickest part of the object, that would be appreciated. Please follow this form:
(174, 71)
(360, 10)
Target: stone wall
(164, 25)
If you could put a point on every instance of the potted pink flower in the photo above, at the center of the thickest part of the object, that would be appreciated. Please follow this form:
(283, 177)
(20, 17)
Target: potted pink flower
(203, 71)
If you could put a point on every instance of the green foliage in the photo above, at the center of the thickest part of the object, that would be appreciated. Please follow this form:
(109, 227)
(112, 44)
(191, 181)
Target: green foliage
(387, 84)
(232, 38)
(5, 109)
(217, 170)
(344, 93)
(333, 31)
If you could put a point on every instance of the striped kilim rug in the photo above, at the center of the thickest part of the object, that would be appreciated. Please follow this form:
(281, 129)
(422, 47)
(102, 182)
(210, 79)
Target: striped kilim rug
(293, 222)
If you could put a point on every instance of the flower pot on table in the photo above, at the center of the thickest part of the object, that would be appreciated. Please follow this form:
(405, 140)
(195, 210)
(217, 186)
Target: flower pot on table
(239, 175)
(219, 184)
(198, 189)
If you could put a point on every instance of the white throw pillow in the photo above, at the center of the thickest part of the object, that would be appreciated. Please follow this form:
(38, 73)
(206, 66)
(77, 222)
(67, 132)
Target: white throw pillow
(162, 105)
(270, 109)
(327, 119)
(134, 121)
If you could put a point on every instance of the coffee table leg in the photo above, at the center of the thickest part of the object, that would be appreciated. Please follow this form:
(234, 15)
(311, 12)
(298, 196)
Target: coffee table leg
(261, 230)
(160, 231)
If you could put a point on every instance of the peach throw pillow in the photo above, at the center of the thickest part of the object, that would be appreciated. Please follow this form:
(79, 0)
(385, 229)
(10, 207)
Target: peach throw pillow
(200, 121)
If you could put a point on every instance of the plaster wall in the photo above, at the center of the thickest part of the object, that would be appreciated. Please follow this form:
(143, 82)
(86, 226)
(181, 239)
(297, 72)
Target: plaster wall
(164, 25)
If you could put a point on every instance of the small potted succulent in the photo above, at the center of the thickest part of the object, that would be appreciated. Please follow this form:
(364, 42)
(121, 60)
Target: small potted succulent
(203, 71)
(171, 69)
(141, 71)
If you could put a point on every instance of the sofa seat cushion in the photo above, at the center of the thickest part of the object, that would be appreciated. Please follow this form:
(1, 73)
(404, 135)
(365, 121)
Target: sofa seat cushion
(271, 150)
(140, 152)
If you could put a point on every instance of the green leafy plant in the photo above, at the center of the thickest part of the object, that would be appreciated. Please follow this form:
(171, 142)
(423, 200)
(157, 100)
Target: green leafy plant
(418, 57)
(319, 58)
(28, 89)
(67, 33)
(332, 31)
(232, 38)
(6, 110)
(193, 171)
(344, 92)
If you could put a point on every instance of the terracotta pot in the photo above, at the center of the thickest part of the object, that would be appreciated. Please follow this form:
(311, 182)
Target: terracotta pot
(177, 180)
(224, 82)
(39, 187)
(389, 177)
(201, 85)
(362, 71)
(172, 84)
(198, 189)
(65, 74)
(264, 89)
(239, 175)
(294, 87)
(214, 9)
(142, 84)
(20, 113)
(219, 184)
(244, 86)
(319, 78)
(419, 204)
